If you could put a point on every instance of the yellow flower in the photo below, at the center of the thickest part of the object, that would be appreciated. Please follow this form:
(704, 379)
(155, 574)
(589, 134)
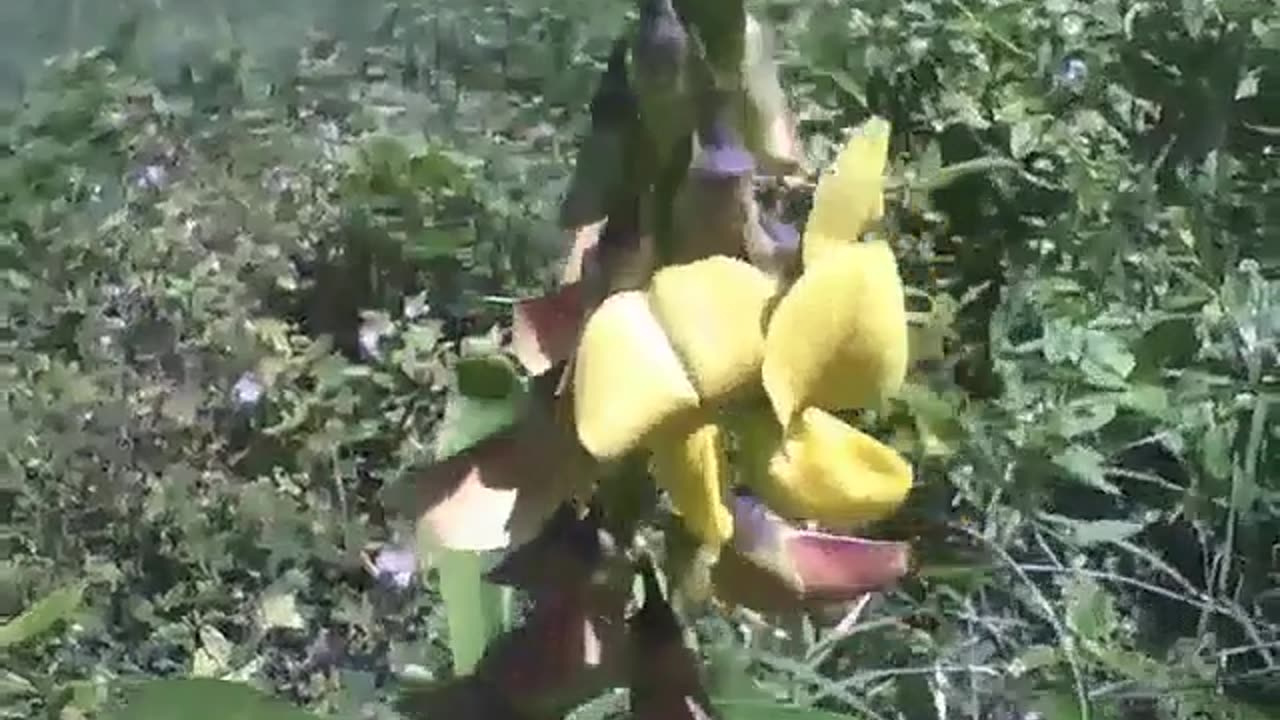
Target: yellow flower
(850, 195)
(648, 359)
(654, 365)
(692, 470)
(821, 468)
(714, 313)
(838, 338)
(627, 380)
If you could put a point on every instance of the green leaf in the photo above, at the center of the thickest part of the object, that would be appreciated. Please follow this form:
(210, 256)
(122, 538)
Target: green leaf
(1092, 532)
(204, 699)
(1091, 611)
(1086, 465)
(741, 709)
(1107, 361)
(1083, 416)
(473, 608)
(491, 377)
(468, 420)
(43, 616)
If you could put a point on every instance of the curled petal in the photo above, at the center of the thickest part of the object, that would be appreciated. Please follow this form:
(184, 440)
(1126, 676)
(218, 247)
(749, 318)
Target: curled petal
(692, 471)
(828, 471)
(713, 311)
(628, 381)
(774, 567)
(838, 338)
(850, 195)
(838, 568)
(544, 330)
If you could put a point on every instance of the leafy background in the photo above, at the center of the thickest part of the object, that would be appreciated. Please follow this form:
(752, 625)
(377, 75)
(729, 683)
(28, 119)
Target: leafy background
(243, 244)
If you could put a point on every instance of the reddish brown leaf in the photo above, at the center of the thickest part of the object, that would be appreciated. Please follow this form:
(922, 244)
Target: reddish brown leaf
(665, 674)
(545, 329)
(566, 652)
(564, 554)
(583, 239)
(499, 492)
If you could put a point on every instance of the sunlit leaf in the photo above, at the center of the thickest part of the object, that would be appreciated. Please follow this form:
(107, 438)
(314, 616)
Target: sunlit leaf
(492, 377)
(43, 616)
(204, 699)
(500, 490)
(1086, 465)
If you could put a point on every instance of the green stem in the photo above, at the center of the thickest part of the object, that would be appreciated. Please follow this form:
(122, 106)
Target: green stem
(475, 611)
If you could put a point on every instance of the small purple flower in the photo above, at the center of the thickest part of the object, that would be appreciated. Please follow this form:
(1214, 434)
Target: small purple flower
(247, 391)
(370, 337)
(152, 176)
(784, 235)
(396, 566)
(1074, 73)
(722, 155)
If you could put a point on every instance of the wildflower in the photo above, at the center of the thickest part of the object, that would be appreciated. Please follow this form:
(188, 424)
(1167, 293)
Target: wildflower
(657, 367)
(152, 176)
(396, 565)
(247, 391)
(1074, 73)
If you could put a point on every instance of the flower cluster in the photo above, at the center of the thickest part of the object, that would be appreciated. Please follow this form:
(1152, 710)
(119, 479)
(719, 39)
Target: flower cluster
(699, 337)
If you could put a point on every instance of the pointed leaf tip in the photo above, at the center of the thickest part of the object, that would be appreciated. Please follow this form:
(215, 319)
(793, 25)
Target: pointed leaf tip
(564, 554)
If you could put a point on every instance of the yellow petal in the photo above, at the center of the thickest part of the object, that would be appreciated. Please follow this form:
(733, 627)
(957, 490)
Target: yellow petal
(838, 338)
(692, 471)
(831, 472)
(850, 195)
(713, 311)
(627, 379)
